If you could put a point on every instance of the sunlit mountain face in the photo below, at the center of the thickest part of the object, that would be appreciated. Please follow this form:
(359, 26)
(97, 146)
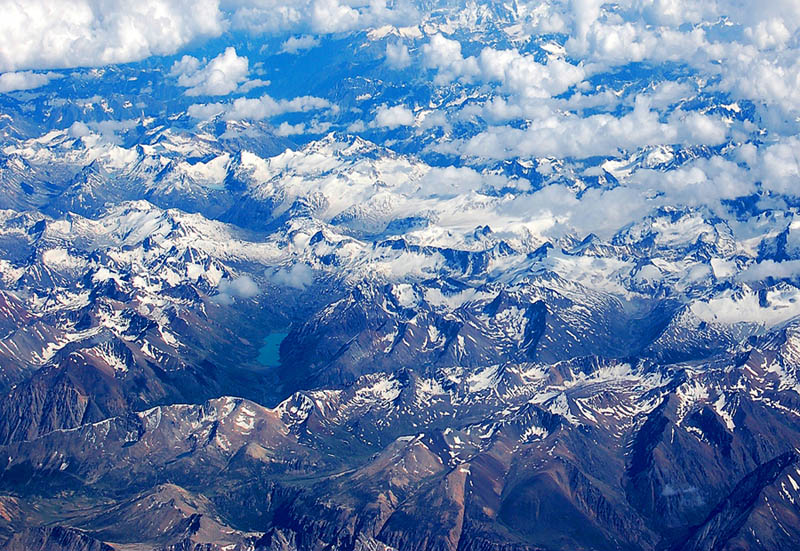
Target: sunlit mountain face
(423, 275)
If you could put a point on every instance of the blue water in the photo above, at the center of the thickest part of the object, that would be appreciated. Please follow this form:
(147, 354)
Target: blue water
(269, 353)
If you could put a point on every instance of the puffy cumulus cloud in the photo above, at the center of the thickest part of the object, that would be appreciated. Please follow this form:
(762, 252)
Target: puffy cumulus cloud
(558, 134)
(74, 33)
(626, 42)
(734, 39)
(219, 77)
(79, 130)
(637, 31)
(584, 13)
(445, 55)
(241, 287)
(773, 167)
(675, 12)
(316, 127)
(260, 108)
(397, 55)
(704, 183)
(751, 14)
(253, 84)
(266, 107)
(298, 276)
(557, 210)
(24, 80)
(41, 34)
(634, 30)
(778, 166)
(701, 182)
(333, 16)
(499, 110)
(266, 16)
(520, 74)
(316, 16)
(286, 129)
(206, 111)
(753, 46)
(517, 73)
(433, 119)
(393, 117)
(773, 81)
(769, 34)
(295, 44)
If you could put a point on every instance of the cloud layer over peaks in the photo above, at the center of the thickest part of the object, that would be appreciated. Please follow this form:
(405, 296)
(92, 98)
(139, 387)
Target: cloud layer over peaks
(260, 108)
(316, 16)
(24, 80)
(47, 34)
(519, 74)
(74, 33)
(219, 77)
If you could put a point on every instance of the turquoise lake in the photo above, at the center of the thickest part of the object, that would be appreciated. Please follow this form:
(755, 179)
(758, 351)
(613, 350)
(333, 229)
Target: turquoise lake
(269, 353)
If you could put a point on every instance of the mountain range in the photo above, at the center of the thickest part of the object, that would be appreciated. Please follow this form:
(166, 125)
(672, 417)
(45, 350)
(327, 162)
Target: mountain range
(424, 276)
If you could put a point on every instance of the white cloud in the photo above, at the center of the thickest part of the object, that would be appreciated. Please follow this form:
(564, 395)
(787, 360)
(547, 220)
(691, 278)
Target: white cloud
(517, 73)
(701, 182)
(286, 129)
(584, 14)
(433, 119)
(773, 80)
(298, 276)
(459, 181)
(110, 130)
(397, 55)
(266, 107)
(756, 55)
(778, 166)
(219, 77)
(316, 16)
(206, 111)
(769, 34)
(444, 55)
(394, 117)
(74, 33)
(333, 16)
(79, 130)
(769, 268)
(521, 74)
(253, 84)
(669, 93)
(356, 127)
(558, 134)
(675, 12)
(295, 44)
(242, 287)
(42, 34)
(257, 108)
(755, 51)
(24, 80)
(266, 16)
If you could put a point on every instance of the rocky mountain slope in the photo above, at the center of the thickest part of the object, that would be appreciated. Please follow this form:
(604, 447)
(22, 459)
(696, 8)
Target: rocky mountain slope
(537, 396)
(404, 276)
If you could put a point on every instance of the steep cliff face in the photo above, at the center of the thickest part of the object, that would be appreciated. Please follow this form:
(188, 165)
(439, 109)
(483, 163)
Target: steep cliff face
(725, 527)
